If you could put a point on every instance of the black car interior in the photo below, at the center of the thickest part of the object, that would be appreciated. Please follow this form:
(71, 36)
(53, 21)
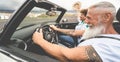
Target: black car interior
(118, 15)
(117, 24)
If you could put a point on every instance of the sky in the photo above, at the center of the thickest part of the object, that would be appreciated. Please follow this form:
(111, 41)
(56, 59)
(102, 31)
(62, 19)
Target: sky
(63, 3)
(85, 3)
(10, 4)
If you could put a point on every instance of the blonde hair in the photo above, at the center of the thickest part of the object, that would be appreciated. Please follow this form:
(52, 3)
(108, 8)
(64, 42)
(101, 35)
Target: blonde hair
(77, 3)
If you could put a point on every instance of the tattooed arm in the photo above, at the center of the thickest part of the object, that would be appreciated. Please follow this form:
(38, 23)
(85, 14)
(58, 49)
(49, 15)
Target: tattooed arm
(92, 54)
(64, 54)
(83, 54)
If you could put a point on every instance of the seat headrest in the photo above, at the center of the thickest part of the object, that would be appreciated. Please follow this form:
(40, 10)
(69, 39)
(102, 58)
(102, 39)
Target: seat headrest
(118, 15)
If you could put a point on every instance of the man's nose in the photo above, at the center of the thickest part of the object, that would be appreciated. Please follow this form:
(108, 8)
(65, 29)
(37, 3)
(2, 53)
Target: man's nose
(86, 21)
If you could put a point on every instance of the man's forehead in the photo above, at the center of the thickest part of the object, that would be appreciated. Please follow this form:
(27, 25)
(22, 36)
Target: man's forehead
(91, 12)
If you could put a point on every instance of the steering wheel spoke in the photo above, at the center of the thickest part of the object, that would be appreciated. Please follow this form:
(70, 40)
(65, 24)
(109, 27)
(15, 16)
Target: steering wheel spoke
(49, 34)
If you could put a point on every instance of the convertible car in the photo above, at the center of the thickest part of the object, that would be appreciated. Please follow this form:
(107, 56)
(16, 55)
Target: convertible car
(16, 44)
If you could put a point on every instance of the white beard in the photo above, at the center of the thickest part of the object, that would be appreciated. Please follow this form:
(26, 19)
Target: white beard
(92, 32)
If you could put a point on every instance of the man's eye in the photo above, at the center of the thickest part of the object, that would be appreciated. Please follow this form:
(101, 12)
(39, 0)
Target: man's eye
(88, 17)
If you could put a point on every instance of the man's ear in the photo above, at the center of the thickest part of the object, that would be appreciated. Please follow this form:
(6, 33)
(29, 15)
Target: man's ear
(107, 17)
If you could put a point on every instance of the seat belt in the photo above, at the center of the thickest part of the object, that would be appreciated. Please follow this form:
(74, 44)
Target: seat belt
(101, 37)
(107, 37)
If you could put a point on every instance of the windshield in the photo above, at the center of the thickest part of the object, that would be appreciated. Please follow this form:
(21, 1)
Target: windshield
(38, 15)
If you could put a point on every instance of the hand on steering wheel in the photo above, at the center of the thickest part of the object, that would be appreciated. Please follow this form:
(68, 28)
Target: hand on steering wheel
(49, 34)
(37, 36)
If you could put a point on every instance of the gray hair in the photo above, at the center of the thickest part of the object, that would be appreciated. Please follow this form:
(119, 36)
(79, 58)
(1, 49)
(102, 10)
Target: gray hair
(105, 6)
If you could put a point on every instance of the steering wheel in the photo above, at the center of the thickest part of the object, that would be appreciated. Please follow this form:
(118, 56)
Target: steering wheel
(49, 34)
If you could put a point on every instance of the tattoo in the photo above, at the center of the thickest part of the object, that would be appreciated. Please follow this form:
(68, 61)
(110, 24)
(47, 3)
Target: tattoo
(92, 54)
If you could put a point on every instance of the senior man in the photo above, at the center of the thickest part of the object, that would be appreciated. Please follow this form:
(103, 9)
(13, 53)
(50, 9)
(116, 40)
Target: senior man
(100, 43)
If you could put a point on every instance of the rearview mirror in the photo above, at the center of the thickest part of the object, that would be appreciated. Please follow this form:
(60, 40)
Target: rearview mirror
(51, 13)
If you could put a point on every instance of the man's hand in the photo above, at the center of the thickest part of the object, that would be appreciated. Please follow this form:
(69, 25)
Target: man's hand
(37, 36)
(53, 27)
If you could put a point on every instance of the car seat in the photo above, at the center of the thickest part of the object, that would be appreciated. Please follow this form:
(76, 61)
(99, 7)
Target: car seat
(117, 24)
(118, 15)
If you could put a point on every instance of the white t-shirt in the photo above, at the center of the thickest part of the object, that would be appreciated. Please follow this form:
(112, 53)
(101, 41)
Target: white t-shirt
(108, 49)
(81, 26)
